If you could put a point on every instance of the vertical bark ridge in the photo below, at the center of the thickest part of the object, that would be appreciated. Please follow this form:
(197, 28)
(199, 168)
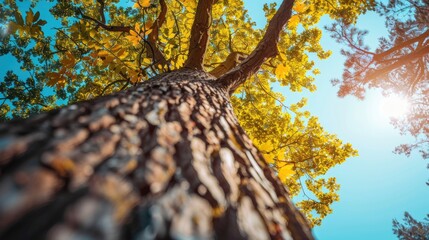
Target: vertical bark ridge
(164, 159)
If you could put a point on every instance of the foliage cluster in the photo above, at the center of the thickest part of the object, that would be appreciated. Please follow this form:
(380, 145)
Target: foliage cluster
(411, 229)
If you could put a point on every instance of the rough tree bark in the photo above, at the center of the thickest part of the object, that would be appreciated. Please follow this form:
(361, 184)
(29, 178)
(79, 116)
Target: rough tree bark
(166, 159)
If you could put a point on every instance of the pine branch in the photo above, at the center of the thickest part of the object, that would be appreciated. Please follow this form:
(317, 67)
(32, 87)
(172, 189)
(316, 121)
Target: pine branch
(267, 48)
(406, 59)
(420, 38)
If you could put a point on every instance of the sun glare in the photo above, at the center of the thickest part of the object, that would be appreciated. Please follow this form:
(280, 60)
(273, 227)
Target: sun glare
(394, 106)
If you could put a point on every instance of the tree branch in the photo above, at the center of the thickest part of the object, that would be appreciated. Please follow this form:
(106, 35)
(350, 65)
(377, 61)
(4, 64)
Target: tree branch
(406, 59)
(199, 35)
(104, 26)
(153, 35)
(152, 39)
(233, 59)
(112, 83)
(350, 41)
(266, 48)
(101, 10)
(379, 56)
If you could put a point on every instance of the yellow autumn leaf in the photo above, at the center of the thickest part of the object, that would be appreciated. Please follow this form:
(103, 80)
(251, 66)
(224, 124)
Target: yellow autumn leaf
(134, 77)
(147, 31)
(282, 56)
(265, 147)
(134, 39)
(293, 22)
(147, 61)
(190, 15)
(180, 60)
(169, 23)
(171, 34)
(145, 3)
(116, 47)
(281, 71)
(299, 7)
(108, 59)
(285, 172)
(267, 150)
(122, 53)
(142, 3)
(92, 33)
(103, 53)
(136, 28)
(269, 158)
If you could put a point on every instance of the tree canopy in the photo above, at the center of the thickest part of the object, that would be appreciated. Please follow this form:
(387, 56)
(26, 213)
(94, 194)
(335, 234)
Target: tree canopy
(83, 49)
(411, 229)
(399, 65)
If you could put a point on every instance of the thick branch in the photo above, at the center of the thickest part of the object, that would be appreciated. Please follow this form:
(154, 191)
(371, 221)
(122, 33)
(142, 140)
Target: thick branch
(419, 38)
(231, 61)
(153, 35)
(266, 48)
(199, 35)
(402, 61)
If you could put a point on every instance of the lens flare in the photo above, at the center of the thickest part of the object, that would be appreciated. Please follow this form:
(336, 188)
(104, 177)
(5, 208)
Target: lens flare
(394, 106)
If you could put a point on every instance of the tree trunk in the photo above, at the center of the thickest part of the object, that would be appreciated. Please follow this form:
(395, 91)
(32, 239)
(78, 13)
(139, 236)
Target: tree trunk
(165, 159)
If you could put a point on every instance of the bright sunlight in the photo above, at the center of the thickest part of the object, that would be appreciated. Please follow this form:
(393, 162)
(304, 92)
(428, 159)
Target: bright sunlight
(394, 106)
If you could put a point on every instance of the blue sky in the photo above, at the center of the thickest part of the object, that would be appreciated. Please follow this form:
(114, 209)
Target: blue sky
(378, 185)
